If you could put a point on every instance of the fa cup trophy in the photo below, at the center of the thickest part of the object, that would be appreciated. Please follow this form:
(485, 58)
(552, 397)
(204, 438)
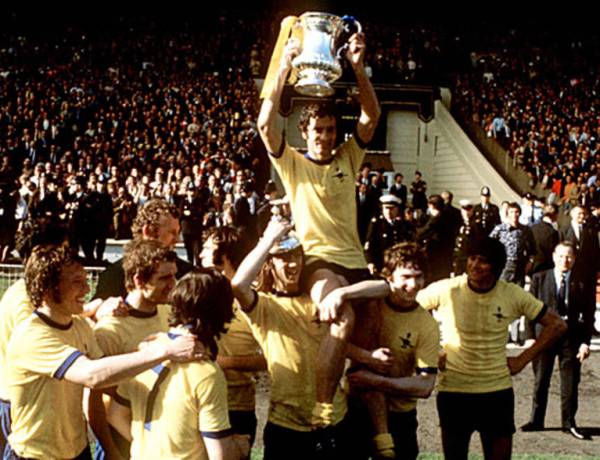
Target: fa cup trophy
(318, 65)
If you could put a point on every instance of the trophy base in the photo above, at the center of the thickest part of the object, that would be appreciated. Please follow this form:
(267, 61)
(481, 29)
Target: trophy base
(315, 87)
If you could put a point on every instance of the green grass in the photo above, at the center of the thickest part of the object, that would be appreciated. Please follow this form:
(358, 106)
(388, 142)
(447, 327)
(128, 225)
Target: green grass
(257, 454)
(431, 456)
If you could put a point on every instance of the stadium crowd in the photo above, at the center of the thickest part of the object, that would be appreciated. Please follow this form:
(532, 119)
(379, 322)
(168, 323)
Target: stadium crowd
(143, 135)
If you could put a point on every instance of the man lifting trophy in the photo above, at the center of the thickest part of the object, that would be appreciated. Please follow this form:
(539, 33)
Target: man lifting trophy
(321, 190)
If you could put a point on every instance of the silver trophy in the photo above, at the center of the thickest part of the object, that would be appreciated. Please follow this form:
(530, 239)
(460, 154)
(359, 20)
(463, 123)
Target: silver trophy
(318, 65)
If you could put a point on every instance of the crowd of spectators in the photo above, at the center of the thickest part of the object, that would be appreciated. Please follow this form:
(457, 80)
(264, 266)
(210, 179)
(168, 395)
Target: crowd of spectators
(91, 126)
(93, 123)
(538, 97)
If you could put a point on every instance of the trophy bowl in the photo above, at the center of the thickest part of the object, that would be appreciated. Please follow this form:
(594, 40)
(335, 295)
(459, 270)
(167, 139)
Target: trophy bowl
(318, 64)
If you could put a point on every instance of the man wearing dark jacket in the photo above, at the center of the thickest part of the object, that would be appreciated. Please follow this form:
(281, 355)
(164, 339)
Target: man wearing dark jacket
(190, 210)
(563, 292)
(437, 240)
(487, 214)
(545, 236)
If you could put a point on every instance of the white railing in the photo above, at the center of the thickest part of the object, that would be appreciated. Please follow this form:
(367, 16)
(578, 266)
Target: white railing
(9, 273)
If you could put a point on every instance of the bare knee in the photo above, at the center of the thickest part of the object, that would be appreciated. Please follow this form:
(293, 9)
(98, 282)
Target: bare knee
(322, 281)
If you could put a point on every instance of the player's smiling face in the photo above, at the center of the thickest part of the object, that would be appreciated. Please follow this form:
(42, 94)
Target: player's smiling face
(320, 137)
(406, 282)
(72, 289)
(161, 283)
(287, 269)
(479, 269)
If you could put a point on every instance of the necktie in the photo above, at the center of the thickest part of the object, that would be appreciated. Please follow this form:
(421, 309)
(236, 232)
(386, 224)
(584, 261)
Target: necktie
(561, 299)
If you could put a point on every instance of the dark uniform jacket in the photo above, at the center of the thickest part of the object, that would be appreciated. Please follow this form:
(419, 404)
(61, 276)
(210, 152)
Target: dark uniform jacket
(383, 234)
(468, 233)
(487, 218)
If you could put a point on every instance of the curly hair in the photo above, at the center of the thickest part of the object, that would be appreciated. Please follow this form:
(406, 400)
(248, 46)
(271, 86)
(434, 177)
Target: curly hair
(149, 215)
(43, 269)
(405, 254)
(142, 257)
(39, 231)
(315, 110)
(203, 300)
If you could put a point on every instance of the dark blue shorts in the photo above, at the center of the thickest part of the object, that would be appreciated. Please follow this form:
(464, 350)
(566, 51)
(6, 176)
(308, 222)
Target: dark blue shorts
(4, 424)
(489, 413)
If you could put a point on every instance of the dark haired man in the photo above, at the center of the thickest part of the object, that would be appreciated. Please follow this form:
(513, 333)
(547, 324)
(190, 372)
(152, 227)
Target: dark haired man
(520, 250)
(239, 353)
(180, 411)
(411, 335)
(418, 189)
(546, 238)
(474, 311)
(519, 246)
(16, 306)
(437, 238)
(150, 270)
(399, 189)
(321, 189)
(53, 354)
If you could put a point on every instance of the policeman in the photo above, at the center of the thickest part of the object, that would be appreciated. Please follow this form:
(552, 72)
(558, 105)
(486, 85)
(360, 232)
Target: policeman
(386, 230)
(468, 233)
(487, 215)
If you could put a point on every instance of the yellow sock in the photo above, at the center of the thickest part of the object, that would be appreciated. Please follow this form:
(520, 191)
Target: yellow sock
(384, 446)
(322, 414)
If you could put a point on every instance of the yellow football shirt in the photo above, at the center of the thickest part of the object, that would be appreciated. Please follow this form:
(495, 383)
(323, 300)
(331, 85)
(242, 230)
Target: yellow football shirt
(15, 307)
(413, 338)
(290, 338)
(473, 329)
(239, 341)
(322, 198)
(122, 334)
(46, 411)
(174, 406)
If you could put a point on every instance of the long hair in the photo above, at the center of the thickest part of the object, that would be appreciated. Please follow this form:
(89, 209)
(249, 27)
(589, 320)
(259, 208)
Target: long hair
(43, 269)
(203, 300)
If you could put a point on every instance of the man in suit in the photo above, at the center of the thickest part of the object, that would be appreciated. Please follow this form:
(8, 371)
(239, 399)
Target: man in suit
(453, 215)
(563, 292)
(366, 209)
(583, 236)
(437, 240)
(399, 189)
(545, 236)
(190, 210)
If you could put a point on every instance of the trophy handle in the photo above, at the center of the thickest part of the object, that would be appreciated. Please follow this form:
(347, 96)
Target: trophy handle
(351, 21)
(348, 21)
